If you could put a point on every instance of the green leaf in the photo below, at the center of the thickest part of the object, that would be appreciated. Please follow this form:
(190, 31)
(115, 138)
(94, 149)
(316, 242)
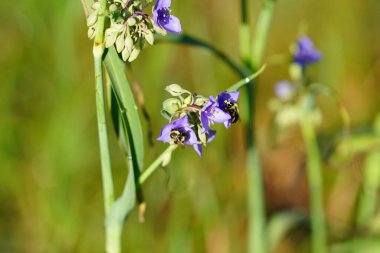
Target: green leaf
(115, 69)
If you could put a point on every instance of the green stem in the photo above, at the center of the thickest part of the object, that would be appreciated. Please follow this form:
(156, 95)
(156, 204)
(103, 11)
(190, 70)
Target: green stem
(257, 242)
(98, 51)
(124, 204)
(318, 227)
(146, 173)
(188, 40)
(103, 139)
(112, 240)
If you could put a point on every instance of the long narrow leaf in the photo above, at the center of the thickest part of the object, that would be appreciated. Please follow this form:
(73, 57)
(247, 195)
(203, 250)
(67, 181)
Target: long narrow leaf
(129, 115)
(115, 69)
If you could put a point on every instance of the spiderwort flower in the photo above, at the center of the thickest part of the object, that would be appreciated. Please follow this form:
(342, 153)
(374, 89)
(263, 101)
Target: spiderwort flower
(306, 53)
(227, 102)
(211, 113)
(179, 132)
(162, 17)
(284, 90)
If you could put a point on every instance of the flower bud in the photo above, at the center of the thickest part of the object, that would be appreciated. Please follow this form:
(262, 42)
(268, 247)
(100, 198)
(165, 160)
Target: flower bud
(131, 21)
(176, 90)
(120, 43)
(295, 72)
(149, 37)
(189, 100)
(113, 8)
(135, 52)
(200, 100)
(171, 105)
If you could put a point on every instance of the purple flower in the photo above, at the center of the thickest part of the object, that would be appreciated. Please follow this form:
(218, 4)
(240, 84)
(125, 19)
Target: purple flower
(227, 102)
(179, 132)
(162, 17)
(284, 90)
(306, 52)
(211, 113)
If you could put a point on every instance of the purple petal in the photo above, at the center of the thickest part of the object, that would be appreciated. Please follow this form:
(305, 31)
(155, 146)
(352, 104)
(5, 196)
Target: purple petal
(173, 26)
(306, 52)
(227, 124)
(229, 96)
(165, 133)
(205, 122)
(181, 122)
(192, 137)
(219, 116)
(198, 149)
(207, 106)
(305, 43)
(155, 18)
(162, 4)
(211, 135)
(234, 96)
(283, 89)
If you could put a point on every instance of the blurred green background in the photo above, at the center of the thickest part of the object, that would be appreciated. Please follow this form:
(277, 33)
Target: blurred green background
(50, 184)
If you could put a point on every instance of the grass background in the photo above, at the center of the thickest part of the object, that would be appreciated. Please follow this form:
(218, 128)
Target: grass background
(50, 184)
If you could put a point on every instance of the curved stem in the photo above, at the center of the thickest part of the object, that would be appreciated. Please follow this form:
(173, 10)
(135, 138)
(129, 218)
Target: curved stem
(146, 173)
(188, 40)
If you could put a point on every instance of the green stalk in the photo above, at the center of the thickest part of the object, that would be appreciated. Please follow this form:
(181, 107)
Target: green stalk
(98, 51)
(318, 227)
(257, 242)
(144, 176)
(371, 183)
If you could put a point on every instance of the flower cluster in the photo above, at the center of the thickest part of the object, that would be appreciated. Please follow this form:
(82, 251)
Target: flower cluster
(130, 27)
(191, 116)
(287, 104)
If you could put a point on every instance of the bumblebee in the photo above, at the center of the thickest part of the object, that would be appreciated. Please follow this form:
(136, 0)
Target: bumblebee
(232, 109)
(178, 137)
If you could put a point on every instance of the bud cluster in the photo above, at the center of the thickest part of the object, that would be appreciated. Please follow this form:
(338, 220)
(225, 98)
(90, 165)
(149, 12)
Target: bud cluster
(129, 28)
(190, 116)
